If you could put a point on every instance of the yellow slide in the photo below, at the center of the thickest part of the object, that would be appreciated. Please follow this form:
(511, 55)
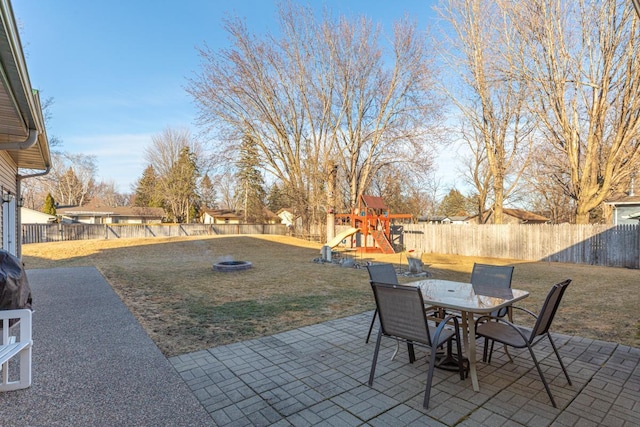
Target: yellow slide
(340, 237)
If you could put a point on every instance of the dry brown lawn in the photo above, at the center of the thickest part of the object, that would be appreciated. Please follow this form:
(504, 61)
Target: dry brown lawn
(169, 285)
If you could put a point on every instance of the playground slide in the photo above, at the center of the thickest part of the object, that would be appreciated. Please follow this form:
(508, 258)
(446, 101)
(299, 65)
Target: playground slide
(340, 237)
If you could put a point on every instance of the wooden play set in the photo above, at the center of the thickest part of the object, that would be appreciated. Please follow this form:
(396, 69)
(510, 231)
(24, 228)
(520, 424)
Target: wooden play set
(371, 218)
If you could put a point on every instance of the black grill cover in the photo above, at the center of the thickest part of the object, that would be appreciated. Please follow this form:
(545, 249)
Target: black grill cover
(14, 286)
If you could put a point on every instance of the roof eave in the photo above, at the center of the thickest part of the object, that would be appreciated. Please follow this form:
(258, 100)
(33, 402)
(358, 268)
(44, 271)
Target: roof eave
(22, 112)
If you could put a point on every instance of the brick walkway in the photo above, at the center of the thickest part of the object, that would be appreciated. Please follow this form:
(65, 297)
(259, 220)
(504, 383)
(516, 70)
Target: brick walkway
(317, 375)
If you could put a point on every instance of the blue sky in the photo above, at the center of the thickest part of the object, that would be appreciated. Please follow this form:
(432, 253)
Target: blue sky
(117, 69)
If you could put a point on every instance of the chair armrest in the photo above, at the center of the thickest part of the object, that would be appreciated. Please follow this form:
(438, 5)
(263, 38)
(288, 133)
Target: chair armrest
(23, 316)
(442, 324)
(506, 322)
(535, 316)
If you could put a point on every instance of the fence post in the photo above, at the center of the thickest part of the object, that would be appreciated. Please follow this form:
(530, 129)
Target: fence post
(638, 246)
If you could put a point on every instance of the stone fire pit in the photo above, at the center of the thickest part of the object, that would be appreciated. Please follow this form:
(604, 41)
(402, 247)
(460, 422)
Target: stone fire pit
(229, 266)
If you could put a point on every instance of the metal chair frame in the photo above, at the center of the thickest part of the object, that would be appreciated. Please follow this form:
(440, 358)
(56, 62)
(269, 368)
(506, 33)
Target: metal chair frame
(494, 276)
(381, 273)
(516, 336)
(402, 317)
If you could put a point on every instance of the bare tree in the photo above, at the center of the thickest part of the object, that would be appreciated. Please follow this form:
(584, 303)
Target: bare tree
(402, 193)
(478, 174)
(71, 180)
(492, 99)
(164, 150)
(384, 115)
(108, 193)
(229, 198)
(545, 190)
(320, 93)
(582, 62)
(431, 194)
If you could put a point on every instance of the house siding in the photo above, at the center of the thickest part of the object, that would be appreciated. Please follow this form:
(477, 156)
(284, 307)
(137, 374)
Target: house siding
(8, 173)
(621, 214)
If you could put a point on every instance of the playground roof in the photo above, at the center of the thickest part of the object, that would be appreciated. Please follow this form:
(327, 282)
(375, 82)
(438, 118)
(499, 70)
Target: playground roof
(373, 202)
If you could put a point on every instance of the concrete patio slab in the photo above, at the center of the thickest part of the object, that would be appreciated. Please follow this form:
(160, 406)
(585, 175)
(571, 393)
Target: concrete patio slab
(93, 364)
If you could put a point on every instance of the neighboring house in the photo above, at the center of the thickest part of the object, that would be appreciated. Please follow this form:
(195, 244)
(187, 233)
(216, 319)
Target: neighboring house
(29, 216)
(434, 219)
(459, 219)
(24, 148)
(625, 207)
(286, 217)
(95, 212)
(226, 216)
(444, 219)
(513, 216)
(220, 216)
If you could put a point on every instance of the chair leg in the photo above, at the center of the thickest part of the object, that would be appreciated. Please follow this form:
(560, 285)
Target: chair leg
(411, 351)
(432, 365)
(375, 358)
(555, 350)
(395, 353)
(373, 320)
(486, 355)
(544, 381)
(506, 351)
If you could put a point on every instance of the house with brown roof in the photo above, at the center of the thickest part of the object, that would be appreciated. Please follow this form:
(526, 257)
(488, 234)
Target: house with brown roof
(220, 216)
(97, 212)
(24, 147)
(513, 216)
(624, 208)
(228, 216)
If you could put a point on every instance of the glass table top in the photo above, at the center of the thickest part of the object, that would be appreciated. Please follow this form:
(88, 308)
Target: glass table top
(466, 297)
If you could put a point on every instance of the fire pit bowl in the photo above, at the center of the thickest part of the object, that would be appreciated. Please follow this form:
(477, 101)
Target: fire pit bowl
(228, 266)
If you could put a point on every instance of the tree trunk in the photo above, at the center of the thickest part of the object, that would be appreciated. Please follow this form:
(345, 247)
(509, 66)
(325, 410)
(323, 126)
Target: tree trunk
(499, 200)
(582, 217)
(331, 201)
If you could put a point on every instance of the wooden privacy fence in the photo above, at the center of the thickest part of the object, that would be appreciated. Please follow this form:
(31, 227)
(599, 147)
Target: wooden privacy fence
(595, 244)
(42, 233)
(605, 245)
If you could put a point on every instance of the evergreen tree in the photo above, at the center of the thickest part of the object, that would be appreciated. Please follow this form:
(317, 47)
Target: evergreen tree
(49, 205)
(146, 191)
(208, 194)
(276, 199)
(454, 204)
(179, 186)
(250, 181)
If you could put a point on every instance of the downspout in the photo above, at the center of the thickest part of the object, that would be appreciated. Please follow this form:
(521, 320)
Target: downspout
(19, 179)
(28, 143)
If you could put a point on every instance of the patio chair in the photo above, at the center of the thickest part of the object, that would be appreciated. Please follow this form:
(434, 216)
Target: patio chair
(402, 316)
(483, 276)
(493, 276)
(381, 273)
(516, 336)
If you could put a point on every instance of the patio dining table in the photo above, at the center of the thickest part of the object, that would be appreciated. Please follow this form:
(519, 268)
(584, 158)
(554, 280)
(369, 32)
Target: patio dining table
(468, 300)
